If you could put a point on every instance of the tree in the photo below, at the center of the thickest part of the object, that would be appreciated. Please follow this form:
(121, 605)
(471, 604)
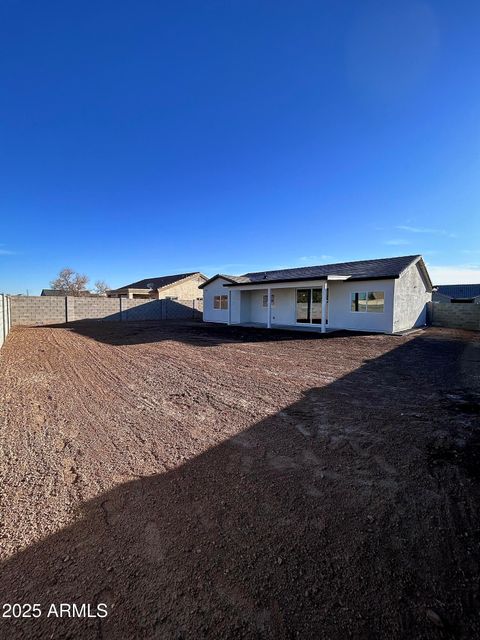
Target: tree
(72, 283)
(101, 287)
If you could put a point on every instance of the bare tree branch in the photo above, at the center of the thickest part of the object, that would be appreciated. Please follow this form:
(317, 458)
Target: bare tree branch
(72, 283)
(101, 287)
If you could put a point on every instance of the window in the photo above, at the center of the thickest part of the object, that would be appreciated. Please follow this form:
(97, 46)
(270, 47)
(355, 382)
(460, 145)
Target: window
(375, 301)
(371, 301)
(359, 301)
(220, 302)
(265, 300)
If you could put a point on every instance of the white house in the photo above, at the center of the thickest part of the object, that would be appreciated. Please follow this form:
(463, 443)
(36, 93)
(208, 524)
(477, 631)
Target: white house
(385, 295)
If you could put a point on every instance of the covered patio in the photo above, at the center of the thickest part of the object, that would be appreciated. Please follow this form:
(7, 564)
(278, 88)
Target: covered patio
(282, 306)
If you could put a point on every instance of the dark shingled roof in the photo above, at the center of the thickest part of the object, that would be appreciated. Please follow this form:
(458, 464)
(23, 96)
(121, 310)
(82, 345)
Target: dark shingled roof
(61, 293)
(157, 283)
(359, 270)
(459, 290)
(53, 292)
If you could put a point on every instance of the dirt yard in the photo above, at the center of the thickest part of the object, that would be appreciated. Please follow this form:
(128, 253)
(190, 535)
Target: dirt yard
(221, 483)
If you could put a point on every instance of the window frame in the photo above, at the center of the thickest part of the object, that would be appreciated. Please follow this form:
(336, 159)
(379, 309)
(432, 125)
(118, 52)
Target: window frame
(222, 302)
(366, 292)
(372, 309)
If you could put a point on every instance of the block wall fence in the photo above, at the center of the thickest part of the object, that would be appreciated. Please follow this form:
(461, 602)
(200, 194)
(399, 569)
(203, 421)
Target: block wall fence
(5, 317)
(42, 310)
(457, 316)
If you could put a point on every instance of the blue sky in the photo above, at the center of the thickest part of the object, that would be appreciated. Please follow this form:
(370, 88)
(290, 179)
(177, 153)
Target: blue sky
(143, 138)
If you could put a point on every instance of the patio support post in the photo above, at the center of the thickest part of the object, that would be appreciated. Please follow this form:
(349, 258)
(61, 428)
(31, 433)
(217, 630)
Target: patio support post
(269, 308)
(230, 306)
(324, 307)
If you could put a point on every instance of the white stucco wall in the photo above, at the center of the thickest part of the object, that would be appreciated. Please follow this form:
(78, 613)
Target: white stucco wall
(284, 310)
(258, 313)
(215, 288)
(237, 306)
(405, 301)
(411, 297)
(244, 306)
(340, 315)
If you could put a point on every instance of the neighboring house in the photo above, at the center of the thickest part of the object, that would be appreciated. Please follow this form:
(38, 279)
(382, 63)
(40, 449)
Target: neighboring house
(181, 286)
(52, 292)
(457, 293)
(61, 293)
(385, 295)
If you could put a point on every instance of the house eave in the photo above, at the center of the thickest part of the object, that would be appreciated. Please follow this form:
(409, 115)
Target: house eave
(213, 278)
(310, 279)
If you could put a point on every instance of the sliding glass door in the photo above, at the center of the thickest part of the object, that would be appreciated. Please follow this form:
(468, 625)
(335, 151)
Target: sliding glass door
(303, 305)
(309, 306)
(316, 306)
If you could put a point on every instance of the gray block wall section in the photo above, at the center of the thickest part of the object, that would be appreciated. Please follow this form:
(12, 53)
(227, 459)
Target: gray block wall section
(43, 310)
(5, 317)
(456, 316)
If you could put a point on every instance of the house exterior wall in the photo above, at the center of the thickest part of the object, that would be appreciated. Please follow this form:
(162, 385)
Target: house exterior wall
(405, 303)
(238, 306)
(258, 313)
(5, 320)
(411, 298)
(339, 311)
(184, 289)
(245, 306)
(213, 289)
(340, 315)
(284, 309)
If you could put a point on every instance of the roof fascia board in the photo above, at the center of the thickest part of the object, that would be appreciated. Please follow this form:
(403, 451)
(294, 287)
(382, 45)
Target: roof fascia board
(423, 269)
(303, 281)
(213, 278)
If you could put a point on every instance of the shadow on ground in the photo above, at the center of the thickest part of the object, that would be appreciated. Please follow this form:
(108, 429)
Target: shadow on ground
(330, 519)
(195, 333)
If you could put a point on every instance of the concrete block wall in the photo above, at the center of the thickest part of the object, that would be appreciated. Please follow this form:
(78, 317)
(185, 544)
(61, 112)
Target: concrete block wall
(43, 310)
(34, 310)
(94, 309)
(144, 310)
(457, 316)
(5, 317)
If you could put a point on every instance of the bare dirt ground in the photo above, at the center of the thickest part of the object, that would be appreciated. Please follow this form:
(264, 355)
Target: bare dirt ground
(213, 482)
